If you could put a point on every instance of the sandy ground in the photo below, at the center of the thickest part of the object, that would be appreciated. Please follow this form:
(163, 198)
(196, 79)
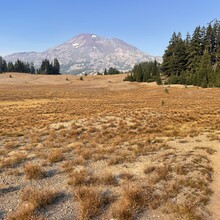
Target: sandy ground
(214, 205)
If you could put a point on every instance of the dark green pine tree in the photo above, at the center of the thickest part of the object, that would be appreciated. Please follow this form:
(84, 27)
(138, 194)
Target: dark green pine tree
(217, 49)
(195, 50)
(105, 72)
(27, 68)
(174, 59)
(187, 74)
(46, 67)
(145, 72)
(112, 71)
(138, 73)
(158, 79)
(206, 44)
(4, 66)
(204, 70)
(180, 56)
(49, 69)
(169, 56)
(10, 67)
(146, 68)
(217, 66)
(146, 77)
(42, 69)
(32, 69)
(214, 41)
(56, 66)
(187, 45)
(1, 64)
(154, 70)
(19, 66)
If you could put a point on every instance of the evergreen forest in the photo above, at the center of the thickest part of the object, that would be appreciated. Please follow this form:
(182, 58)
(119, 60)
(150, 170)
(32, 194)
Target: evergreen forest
(111, 71)
(19, 66)
(194, 60)
(145, 72)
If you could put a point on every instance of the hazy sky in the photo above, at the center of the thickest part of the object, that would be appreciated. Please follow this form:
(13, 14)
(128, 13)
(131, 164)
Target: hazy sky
(36, 25)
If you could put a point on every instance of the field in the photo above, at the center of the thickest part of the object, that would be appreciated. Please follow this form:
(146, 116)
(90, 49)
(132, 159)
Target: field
(102, 148)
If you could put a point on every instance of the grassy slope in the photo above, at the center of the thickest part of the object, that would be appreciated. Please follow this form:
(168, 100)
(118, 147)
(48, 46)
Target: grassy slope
(130, 146)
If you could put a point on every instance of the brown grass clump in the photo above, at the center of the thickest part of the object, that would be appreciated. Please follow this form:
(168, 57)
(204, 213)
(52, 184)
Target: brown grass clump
(187, 210)
(14, 160)
(25, 212)
(55, 156)
(126, 176)
(123, 209)
(207, 149)
(67, 166)
(109, 179)
(79, 160)
(116, 160)
(149, 169)
(92, 201)
(214, 137)
(11, 145)
(82, 177)
(32, 200)
(37, 197)
(162, 172)
(33, 171)
(132, 201)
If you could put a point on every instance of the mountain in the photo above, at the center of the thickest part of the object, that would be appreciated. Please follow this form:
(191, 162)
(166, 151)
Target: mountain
(88, 53)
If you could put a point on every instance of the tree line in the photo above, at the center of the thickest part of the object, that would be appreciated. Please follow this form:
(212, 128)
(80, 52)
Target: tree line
(19, 66)
(145, 72)
(111, 71)
(48, 67)
(194, 60)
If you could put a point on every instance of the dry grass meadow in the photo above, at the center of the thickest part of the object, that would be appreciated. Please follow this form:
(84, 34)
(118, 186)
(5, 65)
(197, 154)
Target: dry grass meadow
(101, 148)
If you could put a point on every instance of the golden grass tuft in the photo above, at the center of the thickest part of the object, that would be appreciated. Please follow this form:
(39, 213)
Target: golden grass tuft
(55, 155)
(38, 197)
(31, 201)
(109, 179)
(25, 212)
(11, 145)
(14, 160)
(82, 177)
(132, 201)
(92, 200)
(33, 171)
(149, 169)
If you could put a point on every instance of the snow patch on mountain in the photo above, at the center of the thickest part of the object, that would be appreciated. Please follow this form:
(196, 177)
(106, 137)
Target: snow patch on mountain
(76, 45)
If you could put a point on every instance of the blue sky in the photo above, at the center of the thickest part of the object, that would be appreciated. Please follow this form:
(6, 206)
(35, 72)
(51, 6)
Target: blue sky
(36, 25)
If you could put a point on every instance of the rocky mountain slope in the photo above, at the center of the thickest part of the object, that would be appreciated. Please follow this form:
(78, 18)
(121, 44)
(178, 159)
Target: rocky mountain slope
(88, 53)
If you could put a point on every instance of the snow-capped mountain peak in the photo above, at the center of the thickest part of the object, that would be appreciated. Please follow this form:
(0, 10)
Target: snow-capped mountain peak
(89, 53)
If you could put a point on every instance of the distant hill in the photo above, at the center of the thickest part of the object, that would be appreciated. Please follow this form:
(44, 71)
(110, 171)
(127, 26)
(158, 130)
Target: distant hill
(88, 53)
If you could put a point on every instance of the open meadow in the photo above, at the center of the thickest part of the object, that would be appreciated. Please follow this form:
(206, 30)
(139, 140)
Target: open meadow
(102, 148)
